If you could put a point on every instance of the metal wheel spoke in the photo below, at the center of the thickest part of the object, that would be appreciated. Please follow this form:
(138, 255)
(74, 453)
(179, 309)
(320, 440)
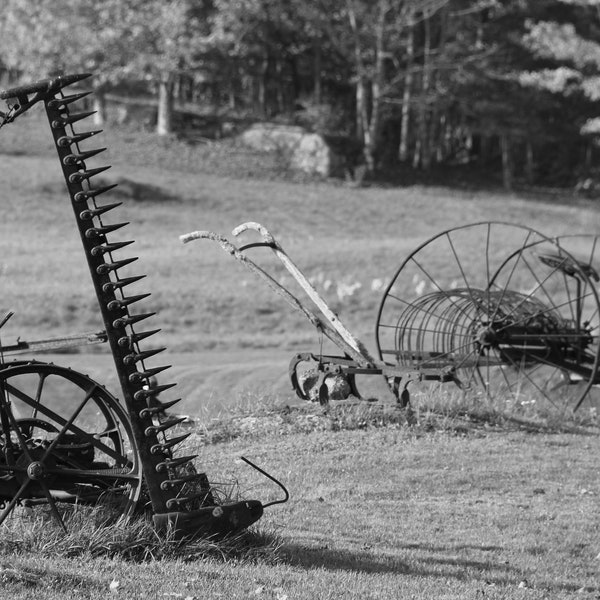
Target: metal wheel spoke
(61, 421)
(14, 501)
(511, 274)
(59, 458)
(69, 423)
(91, 475)
(38, 393)
(53, 509)
(436, 284)
(525, 322)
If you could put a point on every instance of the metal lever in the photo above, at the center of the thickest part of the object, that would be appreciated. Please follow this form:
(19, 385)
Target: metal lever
(287, 494)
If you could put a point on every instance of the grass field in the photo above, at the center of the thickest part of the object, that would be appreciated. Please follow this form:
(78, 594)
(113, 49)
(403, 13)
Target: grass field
(340, 236)
(448, 507)
(382, 512)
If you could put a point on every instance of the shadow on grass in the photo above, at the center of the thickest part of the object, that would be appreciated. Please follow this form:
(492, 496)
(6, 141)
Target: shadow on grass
(344, 560)
(433, 561)
(127, 189)
(16, 578)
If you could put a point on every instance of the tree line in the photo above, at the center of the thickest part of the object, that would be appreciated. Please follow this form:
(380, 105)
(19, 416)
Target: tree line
(507, 86)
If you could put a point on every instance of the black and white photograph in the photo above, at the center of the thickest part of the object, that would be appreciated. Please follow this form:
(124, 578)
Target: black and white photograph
(300, 299)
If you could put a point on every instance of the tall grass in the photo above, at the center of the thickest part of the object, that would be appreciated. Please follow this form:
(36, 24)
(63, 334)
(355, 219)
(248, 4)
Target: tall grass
(441, 409)
(91, 534)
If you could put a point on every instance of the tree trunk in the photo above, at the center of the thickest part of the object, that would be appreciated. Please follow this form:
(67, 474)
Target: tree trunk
(437, 119)
(317, 75)
(406, 95)
(441, 141)
(99, 105)
(417, 154)
(363, 130)
(368, 121)
(529, 164)
(361, 103)
(262, 84)
(232, 82)
(368, 130)
(588, 158)
(376, 89)
(279, 91)
(424, 160)
(164, 123)
(507, 172)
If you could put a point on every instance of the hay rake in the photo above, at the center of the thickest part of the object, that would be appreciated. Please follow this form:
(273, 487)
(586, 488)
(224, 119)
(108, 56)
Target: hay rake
(64, 439)
(502, 311)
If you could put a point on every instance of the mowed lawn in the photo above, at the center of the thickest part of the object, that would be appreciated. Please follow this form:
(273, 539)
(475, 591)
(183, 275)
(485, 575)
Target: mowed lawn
(376, 513)
(443, 509)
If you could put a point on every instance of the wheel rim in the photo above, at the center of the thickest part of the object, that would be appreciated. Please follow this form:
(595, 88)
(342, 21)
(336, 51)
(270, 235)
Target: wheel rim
(64, 440)
(586, 248)
(479, 298)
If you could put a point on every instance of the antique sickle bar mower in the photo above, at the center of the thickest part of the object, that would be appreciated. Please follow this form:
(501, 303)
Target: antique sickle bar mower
(502, 311)
(64, 439)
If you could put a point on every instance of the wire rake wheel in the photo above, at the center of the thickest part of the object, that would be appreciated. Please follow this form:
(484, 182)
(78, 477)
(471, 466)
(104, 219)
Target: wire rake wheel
(64, 440)
(511, 310)
(586, 248)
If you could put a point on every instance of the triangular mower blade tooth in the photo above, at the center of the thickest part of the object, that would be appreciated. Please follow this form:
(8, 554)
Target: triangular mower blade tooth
(161, 407)
(70, 119)
(124, 302)
(114, 266)
(131, 320)
(175, 462)
(66, 100)
(104, 248)
(103, 229)
(128, 341)
(90, 213)
(121, 283)
(67, 140)
(93, 192)
(153, 429)
(131, 359)
(79, 157)
(168, 444)
(87, 174)
(141, 394)
(140, 375)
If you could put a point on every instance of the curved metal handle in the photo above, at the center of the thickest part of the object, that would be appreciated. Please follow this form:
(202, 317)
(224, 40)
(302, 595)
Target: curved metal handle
(331, 326)
(266, 235)
(287, 494)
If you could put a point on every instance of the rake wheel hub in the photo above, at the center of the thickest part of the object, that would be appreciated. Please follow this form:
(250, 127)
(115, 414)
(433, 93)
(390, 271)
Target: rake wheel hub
(486, 337)
(36, 470)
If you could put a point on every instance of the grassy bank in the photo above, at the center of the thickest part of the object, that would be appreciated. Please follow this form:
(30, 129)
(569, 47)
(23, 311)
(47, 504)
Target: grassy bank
(382, 512)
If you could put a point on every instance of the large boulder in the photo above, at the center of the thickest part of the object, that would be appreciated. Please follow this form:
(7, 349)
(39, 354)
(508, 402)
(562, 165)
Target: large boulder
(305, 151)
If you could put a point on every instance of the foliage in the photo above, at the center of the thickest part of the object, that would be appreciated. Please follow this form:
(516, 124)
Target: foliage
(82, 36)
(417, 82)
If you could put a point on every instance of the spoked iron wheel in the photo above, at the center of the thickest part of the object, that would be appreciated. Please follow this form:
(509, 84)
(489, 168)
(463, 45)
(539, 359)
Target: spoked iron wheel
(512, 311)
(586, 249)
(64, 440)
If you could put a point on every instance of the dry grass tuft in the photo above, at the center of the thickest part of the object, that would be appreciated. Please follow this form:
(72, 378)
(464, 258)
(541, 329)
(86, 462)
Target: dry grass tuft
(91, 534)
